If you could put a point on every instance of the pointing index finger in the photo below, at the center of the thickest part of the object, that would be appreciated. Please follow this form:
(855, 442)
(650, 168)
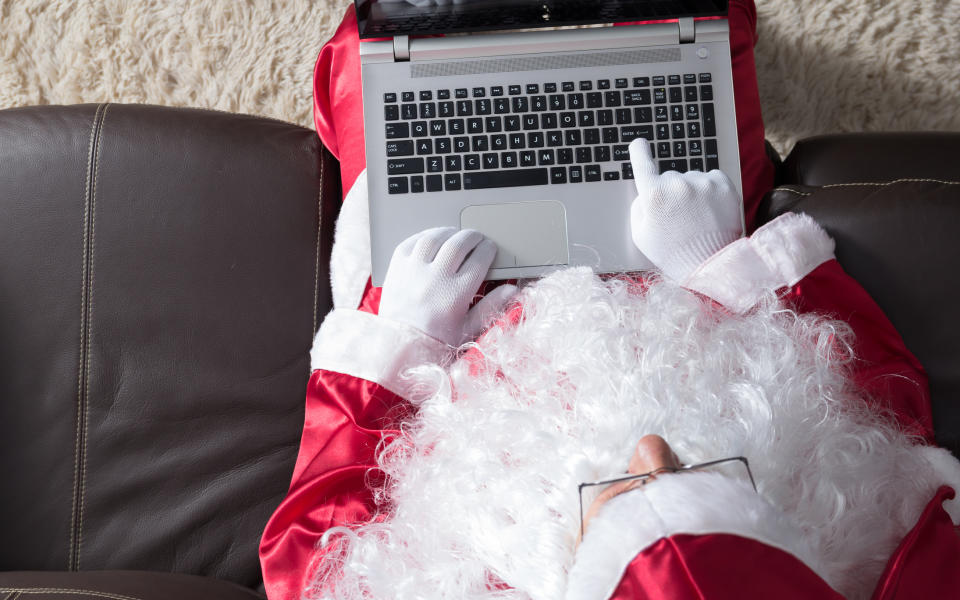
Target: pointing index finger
(643, 166)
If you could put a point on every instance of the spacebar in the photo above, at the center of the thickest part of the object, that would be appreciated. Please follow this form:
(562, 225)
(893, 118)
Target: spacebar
(495, 179)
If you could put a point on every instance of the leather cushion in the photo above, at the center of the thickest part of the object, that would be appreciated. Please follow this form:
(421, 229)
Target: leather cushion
(118, 585)
(161, 278)
(871, 158)
(899, 240)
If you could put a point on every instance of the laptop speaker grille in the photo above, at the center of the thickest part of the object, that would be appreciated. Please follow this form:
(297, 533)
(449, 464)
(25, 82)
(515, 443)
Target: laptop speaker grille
(541, 63)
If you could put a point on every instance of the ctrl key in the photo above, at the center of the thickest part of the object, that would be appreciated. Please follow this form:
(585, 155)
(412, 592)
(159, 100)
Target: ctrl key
(397, 185)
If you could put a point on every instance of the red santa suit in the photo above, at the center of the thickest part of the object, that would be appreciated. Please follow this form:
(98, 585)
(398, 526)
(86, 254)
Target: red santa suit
(358, 396)
(731, 546)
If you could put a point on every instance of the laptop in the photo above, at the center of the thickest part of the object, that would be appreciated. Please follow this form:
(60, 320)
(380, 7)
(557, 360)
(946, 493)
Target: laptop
(521, 132)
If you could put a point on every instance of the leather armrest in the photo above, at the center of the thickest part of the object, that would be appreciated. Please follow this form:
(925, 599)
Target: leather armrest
(871, 158)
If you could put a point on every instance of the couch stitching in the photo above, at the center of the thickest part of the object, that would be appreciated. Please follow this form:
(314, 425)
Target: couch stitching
(797, 192)
(316, 269)
(80, 373)
(885, 183)
(93, 243)
(73, 591)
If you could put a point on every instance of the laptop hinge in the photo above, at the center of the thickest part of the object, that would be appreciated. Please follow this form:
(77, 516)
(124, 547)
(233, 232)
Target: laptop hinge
(401, 48)
(688, 32)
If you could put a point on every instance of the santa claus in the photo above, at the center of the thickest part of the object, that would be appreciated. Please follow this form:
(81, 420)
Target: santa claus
(437, 467)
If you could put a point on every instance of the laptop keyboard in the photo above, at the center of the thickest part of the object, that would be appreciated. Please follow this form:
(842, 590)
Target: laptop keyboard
(565, 132)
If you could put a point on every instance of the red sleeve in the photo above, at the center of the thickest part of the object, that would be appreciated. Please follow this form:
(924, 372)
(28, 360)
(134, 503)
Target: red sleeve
(884, 368)
(925, 564)
(346, 418)
(718, 567)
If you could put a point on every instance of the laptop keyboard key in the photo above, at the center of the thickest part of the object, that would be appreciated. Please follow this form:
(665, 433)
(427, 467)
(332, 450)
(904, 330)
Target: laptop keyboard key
(710, 150)
(548, 120)
(680, 149)
(511, 123)
(605, 117)
(434, 164)
(585, 118)
(594, 100)
(612, 99)
(621, 82)
(517, 141)
(591, 136)
(676, 94)
(642, 115)
(442, 145)
(390, 97)
(611, 176)
(564, 156)
(416, 184)
(428, 110)
(403, 166)
(425, 146)
(461, 144)
(584, 155)
(475, 125)
(693, 130)
(398, 130)
(464, 108)
(539, 103)
(496, 179)
(408, 96)
(546, 157)
(558, 102)
(576, 174)
(493, 124)
(408, 111)
(690, 93)
(483, 106)
(530, 122)
(491, 161)
(528, 158)
(709, 122)
(575, 101)
(676, 164)
(628, 134)
(706, 93)
(496, 90)
(621, 153)
(520, 104)
(498, 142)
(696, 164)
(508, 159)
(677, 131)
(592, 173)
(471, 162)
(554, 138)
(695, 148)
(451, 182)
(455, 126)
(572, 137)
(418, 128)
(391, 112)
(501, 106)
(452, 163)
(397, 185)
(434, 183)
(535, 139)
(558, 175)
(626, 170)
(601, 154)
(568, 119)
(663, 132)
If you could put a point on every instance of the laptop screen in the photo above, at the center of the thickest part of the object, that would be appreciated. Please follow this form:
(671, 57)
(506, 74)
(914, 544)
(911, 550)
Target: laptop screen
(385, 18)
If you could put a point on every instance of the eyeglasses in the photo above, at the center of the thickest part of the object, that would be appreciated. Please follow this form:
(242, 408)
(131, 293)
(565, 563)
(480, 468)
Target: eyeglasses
(702, 465)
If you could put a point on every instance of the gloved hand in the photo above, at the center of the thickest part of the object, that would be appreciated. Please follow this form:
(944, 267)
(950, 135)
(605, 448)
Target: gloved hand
(432, 279)
(679, 220)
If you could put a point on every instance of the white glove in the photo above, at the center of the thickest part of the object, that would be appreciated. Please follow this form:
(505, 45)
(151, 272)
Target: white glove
(679, 220)
(432, 279)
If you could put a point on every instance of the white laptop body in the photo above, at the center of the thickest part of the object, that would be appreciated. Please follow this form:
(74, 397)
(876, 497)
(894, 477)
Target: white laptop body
(546, 204)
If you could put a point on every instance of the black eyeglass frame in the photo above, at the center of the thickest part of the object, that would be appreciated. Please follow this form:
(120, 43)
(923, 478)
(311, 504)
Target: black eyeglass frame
(703, 465)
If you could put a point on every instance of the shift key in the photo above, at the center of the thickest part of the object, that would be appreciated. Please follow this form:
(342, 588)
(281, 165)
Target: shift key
(403, 166)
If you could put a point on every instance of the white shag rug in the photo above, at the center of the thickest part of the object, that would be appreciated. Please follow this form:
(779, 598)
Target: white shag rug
(823, 65)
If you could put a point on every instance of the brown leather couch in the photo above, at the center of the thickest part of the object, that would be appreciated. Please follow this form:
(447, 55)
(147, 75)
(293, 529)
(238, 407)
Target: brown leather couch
(162, 272)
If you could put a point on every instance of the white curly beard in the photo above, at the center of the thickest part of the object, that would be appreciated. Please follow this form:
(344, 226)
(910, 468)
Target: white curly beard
(482, 486)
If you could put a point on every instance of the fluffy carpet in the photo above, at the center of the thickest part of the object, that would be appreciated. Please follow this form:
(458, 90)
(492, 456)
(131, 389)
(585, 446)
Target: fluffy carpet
(823, 65)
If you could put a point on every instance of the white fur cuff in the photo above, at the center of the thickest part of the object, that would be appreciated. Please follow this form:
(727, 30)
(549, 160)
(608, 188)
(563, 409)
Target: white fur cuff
(693, 503)
(777, 255)
(373, 348)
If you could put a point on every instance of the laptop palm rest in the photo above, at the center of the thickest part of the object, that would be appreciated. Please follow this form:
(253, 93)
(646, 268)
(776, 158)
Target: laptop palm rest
(527, 234)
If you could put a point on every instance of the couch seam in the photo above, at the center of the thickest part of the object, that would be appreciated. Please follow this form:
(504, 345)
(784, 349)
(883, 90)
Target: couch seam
(82, 342)
(885, 183)
(316, 269)
(93, 244)
(74, 591)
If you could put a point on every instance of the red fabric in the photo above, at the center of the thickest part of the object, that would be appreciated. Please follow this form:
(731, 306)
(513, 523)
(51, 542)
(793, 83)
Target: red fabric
(346, 418)
(718, 567)
(927, 562)
(338, 103)
(884, 368)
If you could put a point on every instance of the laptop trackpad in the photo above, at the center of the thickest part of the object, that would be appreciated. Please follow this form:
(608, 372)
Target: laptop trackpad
(527, 234)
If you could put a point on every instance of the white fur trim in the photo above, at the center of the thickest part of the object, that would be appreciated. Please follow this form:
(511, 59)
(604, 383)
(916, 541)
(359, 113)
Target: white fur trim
(373, 348)
(692, 503)
(777, 255)
(350, 257)
(948, 467)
